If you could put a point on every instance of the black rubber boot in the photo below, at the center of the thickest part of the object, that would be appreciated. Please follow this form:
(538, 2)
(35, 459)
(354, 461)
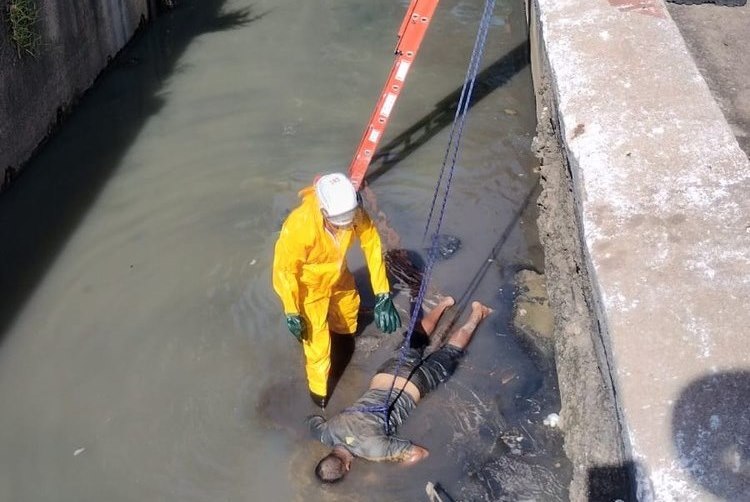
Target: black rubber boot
(320, 401)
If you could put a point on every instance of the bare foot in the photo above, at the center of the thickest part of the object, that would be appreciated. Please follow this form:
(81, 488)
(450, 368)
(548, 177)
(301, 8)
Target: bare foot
(461, 337)
(446, 301)
(430, 320)
(480, 309)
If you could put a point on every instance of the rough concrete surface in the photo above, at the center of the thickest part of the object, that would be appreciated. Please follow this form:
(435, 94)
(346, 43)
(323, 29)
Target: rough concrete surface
(77, 42)
(659, 186)
(719, 40)
(589, 418)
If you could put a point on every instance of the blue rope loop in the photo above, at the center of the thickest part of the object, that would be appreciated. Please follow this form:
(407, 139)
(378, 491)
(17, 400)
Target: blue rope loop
(452, 152)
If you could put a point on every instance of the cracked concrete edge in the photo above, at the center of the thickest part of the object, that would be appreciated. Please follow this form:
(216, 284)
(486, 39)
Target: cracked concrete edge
(587, 395)
(657, 190)
(588, 403)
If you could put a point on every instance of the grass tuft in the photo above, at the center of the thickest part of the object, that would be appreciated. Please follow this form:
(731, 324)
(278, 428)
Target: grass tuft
(22, 17)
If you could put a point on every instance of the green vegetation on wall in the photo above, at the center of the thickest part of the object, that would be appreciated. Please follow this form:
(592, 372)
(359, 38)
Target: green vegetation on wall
(22, 18)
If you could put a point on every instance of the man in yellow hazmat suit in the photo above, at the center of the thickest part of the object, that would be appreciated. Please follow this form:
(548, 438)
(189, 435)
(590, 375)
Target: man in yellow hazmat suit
(311, 276)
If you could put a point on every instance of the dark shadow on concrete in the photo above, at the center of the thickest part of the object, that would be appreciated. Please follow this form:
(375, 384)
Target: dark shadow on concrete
(494, 76)
(610, 483)
(711, 432)
(43, 207)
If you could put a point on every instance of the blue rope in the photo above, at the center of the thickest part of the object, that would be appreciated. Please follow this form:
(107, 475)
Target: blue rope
(454, 138)
(453, 148)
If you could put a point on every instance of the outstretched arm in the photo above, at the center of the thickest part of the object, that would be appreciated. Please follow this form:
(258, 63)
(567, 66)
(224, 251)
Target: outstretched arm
(372, 250)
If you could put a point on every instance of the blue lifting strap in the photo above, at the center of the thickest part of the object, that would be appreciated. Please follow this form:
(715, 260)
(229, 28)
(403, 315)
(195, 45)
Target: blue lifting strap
(443, 185)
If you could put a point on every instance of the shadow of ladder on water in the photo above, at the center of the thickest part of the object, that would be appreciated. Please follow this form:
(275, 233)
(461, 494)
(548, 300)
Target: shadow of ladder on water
(406, 266)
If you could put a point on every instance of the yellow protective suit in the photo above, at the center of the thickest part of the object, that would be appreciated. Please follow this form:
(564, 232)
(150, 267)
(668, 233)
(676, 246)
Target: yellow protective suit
(312, 279)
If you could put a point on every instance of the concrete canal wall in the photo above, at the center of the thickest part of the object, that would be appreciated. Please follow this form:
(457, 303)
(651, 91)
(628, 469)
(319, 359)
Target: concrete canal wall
(646, 223)
(76, 41)
(644, 216)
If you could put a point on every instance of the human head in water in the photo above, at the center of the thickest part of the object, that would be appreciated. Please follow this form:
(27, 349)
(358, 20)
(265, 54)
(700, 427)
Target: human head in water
(334, 466)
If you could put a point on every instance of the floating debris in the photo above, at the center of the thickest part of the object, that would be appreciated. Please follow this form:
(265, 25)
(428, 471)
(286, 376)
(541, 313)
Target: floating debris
(447, 245)
(552, 420)
(432, 493)
(78, 451)
(507, 375)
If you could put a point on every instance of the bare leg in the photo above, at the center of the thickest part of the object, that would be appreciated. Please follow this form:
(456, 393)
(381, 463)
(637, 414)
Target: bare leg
(462, 336)
(430, 320)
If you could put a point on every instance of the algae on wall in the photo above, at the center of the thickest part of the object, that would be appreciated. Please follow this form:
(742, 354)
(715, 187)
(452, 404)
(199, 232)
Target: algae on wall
(21, 21)
(71, 43)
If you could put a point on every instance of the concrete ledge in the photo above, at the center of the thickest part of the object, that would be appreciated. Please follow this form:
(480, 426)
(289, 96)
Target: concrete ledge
(661, 190)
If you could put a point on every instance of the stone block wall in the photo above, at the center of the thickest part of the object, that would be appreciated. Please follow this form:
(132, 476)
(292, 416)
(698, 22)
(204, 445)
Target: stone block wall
(78, 39)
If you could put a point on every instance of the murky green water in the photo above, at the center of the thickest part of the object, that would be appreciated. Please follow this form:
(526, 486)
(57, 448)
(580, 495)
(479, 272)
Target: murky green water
(143, 354)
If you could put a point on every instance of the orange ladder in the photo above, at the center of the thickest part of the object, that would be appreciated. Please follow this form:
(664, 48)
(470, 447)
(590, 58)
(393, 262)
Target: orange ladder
(410, 35)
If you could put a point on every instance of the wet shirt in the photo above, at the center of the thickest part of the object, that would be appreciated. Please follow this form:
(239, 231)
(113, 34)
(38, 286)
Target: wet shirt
(363, 432)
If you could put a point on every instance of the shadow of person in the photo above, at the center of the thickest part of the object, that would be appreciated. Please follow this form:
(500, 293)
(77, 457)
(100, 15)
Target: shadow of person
(342, 349)
(711, 431)
(44, 207)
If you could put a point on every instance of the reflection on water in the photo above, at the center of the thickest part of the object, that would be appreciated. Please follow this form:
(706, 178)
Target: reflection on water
(143, 354)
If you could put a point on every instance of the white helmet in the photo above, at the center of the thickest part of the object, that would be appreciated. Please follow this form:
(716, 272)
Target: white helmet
(337, 198)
